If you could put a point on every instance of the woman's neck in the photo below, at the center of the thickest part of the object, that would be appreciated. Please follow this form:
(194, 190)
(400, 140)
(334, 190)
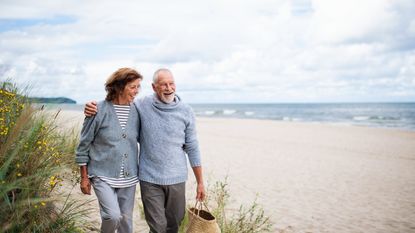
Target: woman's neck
(120, 101)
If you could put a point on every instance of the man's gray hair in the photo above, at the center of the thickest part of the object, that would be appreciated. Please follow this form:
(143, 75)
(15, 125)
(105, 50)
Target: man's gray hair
(156, 74)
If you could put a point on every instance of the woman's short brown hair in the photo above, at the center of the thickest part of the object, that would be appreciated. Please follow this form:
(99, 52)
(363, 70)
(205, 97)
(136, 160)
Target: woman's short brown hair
(118, 80)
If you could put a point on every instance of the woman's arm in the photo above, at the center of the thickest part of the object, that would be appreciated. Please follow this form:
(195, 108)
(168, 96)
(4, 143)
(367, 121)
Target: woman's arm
(88, 132)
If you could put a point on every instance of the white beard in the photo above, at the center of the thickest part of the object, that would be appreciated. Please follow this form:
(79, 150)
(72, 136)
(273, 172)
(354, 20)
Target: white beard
(168, 99)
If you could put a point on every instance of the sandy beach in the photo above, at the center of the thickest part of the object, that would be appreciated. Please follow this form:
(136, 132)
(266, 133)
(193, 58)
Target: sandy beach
(308, 177)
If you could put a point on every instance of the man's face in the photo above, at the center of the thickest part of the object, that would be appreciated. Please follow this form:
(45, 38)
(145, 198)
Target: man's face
(165, 87)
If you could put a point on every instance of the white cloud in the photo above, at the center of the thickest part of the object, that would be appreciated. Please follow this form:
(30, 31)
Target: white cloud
(236, 51)
(339, 21)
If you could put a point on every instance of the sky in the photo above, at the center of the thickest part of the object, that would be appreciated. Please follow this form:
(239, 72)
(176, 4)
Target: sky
(219, 51)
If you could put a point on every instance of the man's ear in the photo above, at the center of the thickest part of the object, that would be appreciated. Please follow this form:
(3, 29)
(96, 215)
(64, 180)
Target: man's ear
(154, 86)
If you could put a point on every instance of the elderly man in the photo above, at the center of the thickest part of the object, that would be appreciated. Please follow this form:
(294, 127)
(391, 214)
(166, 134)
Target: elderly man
(167, 134)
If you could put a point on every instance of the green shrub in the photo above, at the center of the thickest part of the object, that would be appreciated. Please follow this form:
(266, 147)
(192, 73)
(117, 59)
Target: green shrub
(33, 155)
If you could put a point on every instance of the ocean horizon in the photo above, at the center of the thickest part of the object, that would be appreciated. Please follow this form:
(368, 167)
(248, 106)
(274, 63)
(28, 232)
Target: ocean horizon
(380, 115)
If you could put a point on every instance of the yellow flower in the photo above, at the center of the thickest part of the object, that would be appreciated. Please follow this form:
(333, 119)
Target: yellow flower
(42, 203)
(36, 206)
(53, 181)
(18, 165)
(19, 174)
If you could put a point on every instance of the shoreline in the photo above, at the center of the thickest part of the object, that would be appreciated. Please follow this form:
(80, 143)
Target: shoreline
(393, 117)
(335, 124)
(74, 118)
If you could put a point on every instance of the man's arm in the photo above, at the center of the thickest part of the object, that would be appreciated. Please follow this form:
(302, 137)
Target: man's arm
(90, 109)
(191, 147)
(200, 190)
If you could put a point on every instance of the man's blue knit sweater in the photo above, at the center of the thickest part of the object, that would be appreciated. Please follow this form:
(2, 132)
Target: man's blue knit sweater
(167, 135)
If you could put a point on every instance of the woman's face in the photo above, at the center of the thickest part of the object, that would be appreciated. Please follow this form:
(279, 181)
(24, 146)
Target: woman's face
(131, 90)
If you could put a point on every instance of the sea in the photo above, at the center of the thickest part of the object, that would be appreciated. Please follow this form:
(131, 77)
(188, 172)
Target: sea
(382, 115)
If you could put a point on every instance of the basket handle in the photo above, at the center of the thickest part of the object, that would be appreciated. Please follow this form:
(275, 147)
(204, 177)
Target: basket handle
(200, 204)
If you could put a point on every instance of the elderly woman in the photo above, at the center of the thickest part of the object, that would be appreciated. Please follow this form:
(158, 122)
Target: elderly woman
(107, 152)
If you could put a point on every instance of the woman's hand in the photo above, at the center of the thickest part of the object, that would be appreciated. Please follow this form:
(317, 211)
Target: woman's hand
(85, 183)
(86, 186)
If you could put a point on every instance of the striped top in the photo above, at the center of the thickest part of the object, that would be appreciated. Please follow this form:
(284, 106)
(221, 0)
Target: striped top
(120, 182)
(122, 111)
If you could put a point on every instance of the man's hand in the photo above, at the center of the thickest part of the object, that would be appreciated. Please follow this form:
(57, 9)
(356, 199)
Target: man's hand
(90, 109)
(85, 186)
(200, 192)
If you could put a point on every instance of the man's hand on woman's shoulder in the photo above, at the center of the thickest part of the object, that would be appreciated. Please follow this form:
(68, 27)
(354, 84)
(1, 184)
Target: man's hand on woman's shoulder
(90, 109)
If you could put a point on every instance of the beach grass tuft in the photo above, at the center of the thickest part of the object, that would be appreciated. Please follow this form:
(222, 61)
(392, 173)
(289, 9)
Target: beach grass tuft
(246, 219)
(34, 155)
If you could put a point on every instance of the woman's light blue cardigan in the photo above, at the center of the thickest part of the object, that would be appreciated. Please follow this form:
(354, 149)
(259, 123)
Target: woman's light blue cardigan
(104, 145)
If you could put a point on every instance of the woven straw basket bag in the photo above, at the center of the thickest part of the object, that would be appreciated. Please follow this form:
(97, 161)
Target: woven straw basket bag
(201, 220)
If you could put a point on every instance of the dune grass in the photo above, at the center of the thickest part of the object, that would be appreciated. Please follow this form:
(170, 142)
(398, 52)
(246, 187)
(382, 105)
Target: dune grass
(33, 156)
(246, 219)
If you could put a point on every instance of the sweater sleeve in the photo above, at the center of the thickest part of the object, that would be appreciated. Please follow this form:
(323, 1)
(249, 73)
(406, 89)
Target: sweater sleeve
(88, 132)
(191, 146)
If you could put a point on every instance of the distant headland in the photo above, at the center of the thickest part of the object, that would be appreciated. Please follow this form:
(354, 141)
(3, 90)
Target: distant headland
(53, 100)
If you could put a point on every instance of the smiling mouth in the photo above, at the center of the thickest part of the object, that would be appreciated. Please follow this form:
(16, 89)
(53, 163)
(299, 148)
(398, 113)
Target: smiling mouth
(171, 93)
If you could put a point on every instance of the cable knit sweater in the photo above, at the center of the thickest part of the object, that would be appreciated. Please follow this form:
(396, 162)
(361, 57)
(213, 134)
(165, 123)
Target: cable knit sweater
(167, 135)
